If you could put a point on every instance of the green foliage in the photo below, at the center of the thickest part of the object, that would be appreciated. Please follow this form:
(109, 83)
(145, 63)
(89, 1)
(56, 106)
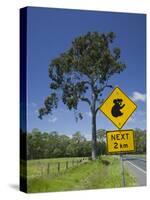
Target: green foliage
(49, 167)
(101, 138)
(86, 66)
(53, 145)
(92, 175)
(50, 103)
(140, 141)
(101, 135)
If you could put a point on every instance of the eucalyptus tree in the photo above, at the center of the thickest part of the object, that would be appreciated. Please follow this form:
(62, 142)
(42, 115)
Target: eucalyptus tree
(81, 74)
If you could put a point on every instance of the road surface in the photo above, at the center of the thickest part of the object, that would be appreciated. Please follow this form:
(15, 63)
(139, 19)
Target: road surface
(137, 167)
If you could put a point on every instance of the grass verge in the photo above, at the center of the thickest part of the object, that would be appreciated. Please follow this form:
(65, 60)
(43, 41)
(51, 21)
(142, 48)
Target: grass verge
(102, 173)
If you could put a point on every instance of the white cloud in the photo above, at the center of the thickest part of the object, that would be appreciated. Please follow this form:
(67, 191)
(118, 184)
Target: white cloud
(36, 111)
(137, 96)
(52, 119)
(137, 120)
(88, 114)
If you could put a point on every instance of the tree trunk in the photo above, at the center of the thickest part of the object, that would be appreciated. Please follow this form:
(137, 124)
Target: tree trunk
(93, 112)
(93, 135)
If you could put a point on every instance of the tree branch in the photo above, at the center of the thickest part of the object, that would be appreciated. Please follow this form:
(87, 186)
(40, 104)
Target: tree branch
(87, 82)
(102, 88)
(86, 100)
(106, 86)
(97, 109)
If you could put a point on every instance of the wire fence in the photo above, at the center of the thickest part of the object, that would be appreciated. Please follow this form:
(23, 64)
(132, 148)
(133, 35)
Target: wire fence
(53, 168)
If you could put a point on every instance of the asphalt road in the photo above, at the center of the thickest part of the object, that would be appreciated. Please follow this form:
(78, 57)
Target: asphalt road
(137, 167)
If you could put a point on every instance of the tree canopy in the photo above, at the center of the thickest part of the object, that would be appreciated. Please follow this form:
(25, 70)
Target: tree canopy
(81, 74)
(88, 63)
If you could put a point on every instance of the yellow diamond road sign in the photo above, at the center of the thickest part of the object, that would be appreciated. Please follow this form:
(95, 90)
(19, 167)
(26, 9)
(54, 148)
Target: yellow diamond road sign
(118, 107)
(120, 141)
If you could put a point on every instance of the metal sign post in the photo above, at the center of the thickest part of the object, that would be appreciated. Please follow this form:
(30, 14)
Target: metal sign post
(118, 108)
(122, 171)
(120, 141)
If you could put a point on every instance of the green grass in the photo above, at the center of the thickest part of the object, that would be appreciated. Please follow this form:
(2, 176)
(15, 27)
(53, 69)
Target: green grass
(36, 168)
(102, 173)
(136, 155)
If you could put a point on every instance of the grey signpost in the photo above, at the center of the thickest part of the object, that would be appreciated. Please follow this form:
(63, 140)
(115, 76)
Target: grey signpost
(122, 171)
(118, 107)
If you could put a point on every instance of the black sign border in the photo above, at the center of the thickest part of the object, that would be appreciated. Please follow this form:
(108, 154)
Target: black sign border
(108, 117)
(121, 152)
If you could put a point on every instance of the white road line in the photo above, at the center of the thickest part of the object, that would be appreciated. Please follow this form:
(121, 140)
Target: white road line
(137, 167)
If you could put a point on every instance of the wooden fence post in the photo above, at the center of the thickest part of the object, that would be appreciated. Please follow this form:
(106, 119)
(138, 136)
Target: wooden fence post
(48, 168)
(66, 164)
(41, 170)
(58, 167)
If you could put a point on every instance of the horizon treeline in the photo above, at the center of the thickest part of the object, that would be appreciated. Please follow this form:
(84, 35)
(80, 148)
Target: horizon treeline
(54, 145)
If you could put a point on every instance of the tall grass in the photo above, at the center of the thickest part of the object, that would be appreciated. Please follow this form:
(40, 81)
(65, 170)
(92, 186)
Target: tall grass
(51, 167)
(102, 173)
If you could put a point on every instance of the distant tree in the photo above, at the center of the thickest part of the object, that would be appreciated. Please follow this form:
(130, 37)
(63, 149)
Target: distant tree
(101, 135)
(81, 74)
(78, 138)
(140, 140)
(79, 143)
(71, 150)
(30, 149)
(36, 143)
(64, 141)
(86, 149)
(45, 145)
(101, 138)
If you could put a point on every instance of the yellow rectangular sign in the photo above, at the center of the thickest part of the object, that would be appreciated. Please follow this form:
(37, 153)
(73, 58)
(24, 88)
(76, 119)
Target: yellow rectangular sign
(120, 141)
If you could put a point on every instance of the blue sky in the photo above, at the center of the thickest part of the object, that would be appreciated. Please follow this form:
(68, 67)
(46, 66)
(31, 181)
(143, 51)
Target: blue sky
(50, 32)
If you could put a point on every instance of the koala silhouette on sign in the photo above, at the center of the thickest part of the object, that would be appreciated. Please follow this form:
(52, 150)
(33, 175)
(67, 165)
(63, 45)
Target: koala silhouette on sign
(116, 109)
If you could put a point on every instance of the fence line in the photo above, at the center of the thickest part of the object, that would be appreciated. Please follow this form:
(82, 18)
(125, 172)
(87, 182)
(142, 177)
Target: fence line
(52, 169)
